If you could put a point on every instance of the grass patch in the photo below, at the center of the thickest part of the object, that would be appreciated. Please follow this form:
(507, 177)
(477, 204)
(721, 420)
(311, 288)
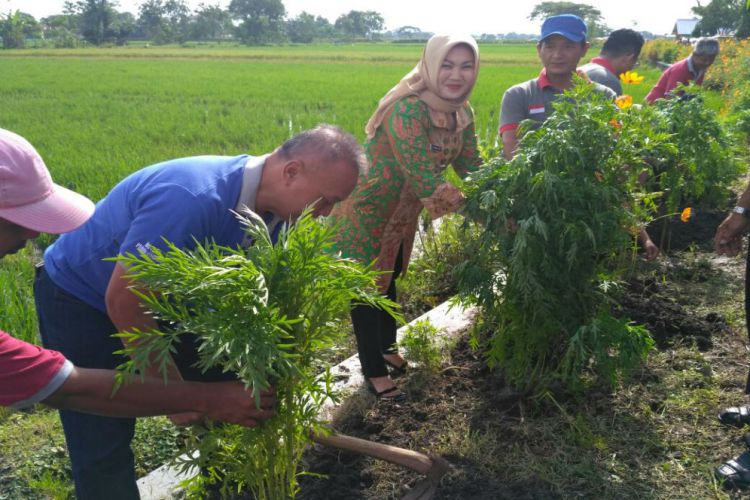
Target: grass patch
(35, 464)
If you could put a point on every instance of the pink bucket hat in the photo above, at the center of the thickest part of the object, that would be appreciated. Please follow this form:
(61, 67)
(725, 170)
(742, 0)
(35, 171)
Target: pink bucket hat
(29, 198)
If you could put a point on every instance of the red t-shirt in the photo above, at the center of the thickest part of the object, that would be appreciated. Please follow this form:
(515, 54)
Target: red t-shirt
(677, 73)
(29, 373)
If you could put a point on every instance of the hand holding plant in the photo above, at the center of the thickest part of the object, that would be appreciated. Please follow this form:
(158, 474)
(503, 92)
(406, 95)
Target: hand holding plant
(268, 314)
(445, 199)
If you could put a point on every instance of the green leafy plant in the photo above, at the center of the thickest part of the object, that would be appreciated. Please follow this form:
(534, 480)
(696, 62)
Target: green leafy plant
(420, 345)
(267, 313)
(431, 278)
(704, 160)
(555, 242)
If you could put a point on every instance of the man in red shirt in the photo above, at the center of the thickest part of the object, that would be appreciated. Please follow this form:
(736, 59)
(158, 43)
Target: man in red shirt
(691, 69)
(31, 203)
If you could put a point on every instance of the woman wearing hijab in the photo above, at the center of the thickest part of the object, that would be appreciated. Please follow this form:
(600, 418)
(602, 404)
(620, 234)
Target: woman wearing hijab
(421, 126)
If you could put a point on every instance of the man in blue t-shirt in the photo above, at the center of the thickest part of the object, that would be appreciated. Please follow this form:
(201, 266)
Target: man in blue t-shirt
(83, 299)
(31, 203)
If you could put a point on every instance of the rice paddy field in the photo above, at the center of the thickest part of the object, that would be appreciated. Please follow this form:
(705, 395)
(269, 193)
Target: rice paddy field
(96, 115)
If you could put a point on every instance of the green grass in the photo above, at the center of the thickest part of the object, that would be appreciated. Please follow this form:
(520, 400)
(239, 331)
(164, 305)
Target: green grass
(34, 462)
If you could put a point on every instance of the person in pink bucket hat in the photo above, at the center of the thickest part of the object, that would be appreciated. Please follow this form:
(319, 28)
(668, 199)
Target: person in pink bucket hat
(30, 204)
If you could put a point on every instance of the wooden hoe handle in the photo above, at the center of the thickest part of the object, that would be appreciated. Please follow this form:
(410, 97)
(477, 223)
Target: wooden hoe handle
(434, 467)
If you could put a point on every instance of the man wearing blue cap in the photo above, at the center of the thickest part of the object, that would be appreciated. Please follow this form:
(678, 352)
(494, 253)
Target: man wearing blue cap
(562, 45)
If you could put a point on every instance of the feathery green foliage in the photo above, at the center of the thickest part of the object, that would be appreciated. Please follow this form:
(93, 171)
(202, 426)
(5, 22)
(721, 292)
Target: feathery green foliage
(420, 345)
(555, 241)
(266, 313)
(704, 160)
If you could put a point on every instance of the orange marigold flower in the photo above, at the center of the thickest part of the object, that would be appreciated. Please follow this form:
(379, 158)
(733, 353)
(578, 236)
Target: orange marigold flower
(631, 77)
(686, 213)
(624, 101)
(615, 123)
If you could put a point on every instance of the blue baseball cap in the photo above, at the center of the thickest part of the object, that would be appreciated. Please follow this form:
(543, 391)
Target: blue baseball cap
(570, 26)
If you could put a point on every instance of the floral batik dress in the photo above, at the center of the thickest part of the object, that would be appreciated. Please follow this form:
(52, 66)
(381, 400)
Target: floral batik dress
(408, 156)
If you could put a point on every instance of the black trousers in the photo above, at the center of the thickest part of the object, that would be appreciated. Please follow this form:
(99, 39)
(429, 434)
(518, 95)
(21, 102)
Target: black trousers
(375, 330)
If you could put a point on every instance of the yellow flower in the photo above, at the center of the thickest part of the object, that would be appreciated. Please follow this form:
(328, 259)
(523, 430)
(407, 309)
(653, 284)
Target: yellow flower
(685, 215)
(624, 101)
(631, 77)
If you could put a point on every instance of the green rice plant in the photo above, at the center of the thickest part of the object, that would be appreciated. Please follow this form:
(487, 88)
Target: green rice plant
(555, 242)
(267, 314)
(420, 345)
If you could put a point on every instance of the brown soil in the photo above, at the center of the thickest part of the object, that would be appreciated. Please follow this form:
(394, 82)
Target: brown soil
(468, 385)
(646, 303)
(484, 403)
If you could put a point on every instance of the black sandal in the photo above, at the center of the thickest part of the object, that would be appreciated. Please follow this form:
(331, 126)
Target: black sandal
(735, 473)
(398, 398)
(396, 370)
(735, 415)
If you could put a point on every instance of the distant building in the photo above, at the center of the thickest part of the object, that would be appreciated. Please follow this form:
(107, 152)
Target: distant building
(683, 28)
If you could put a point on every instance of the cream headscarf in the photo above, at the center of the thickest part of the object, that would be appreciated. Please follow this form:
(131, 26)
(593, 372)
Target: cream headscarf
(422, 81)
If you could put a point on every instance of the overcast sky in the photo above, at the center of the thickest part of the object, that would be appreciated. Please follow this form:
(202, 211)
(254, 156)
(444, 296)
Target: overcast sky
(473, 16)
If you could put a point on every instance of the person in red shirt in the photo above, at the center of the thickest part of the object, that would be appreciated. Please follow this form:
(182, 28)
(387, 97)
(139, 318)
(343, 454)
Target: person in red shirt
(30, 203)
(691, 69)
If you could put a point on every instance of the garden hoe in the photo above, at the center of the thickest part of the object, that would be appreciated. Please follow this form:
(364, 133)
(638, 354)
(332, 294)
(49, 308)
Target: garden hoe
(433, 467)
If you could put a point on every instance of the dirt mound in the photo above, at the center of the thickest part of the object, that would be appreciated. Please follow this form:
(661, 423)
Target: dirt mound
(644, 303)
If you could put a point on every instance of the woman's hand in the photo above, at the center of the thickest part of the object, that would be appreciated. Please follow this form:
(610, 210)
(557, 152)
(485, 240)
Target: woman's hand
(445, 199)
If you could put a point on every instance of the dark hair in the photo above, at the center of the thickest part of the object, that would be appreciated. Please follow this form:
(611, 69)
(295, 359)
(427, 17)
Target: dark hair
(706, 46)
(330, 144)
(623, 42)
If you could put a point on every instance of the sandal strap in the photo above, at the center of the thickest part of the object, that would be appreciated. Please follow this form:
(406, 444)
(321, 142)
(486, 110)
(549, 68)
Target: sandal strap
(386, 391)
(400, 397)
(736, 471)
(736, 415)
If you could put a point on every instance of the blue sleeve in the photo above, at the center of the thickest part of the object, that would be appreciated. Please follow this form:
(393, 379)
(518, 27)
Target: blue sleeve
(167, 212)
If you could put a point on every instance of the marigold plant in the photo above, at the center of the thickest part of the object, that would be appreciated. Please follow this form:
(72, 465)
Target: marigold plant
(268, 314)
(685, 214)
(556, 240)
(705, 159)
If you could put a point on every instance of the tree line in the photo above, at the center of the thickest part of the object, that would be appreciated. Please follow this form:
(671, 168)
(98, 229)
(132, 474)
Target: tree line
(98, 22)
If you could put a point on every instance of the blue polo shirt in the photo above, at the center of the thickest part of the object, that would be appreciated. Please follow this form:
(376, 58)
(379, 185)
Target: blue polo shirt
(180, 200)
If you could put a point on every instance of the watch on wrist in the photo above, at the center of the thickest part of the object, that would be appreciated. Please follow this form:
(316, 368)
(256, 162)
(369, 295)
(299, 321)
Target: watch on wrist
(742, 211)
